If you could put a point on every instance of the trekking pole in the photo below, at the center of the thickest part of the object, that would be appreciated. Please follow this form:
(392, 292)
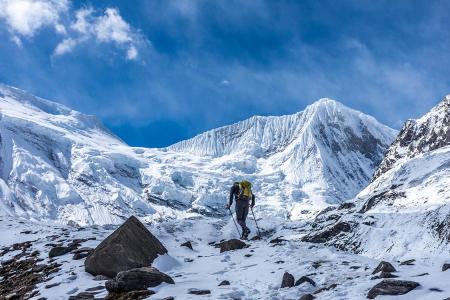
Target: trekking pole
(254, 218)
(239, 233)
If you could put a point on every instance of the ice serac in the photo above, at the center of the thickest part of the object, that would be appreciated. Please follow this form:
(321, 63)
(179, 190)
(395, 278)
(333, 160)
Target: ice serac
(327, 150)
(406, 209)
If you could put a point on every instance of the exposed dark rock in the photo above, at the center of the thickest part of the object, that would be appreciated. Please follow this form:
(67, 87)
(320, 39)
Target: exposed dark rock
(225, 282)
(20, 275)
(199, 292)
(129, 246)
(230, 245)
(256, 238)
(248, 255)
(95, 288)
(409, 262)
(392, 287)
(188, 259)
(307, 297)
(384, 196)
(187, 244)
(82, 296)
(346, 205)
(137, 279)
(101, 277)
(58, 251)
(325, 211)
(80, 255)
(445, 267)
(327, 288)
(288, 280)
(328, 233)
(316, 264)
(49, 286)
(423, 274)
(437, 290)
(383, 275)
(278, 240)
(133, 295)
(385, 267)
(304, 279)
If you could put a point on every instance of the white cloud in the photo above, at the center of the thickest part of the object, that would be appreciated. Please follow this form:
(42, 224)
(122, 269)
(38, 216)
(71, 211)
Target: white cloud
(107, 28)
(132, 53)
(65, 46)
(26, 17)
(112, 28)
(82, 23)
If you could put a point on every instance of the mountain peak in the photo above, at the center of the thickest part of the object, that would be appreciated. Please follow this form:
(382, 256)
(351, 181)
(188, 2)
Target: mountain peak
(425, 134)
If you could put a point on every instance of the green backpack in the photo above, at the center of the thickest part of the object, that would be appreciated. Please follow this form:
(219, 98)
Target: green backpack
(245, 192)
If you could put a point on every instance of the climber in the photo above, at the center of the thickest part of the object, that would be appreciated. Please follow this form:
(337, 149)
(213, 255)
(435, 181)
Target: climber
(242, 193)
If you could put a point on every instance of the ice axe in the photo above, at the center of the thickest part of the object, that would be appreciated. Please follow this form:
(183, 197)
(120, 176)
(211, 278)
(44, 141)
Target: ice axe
(254, 218)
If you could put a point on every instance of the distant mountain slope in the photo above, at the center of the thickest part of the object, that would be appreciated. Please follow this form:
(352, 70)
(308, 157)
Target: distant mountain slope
(406, 209)
(58, 164)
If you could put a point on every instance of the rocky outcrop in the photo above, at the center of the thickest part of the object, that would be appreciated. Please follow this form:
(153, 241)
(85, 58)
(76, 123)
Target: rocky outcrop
(233, 244)
(199, 292)
(187, 244)
(307, 297)
(128, 247)
(137, 279)
(385, 267)
(328, 233)
(288, 280)
(392, 287)
(419, 136)
(304, 279)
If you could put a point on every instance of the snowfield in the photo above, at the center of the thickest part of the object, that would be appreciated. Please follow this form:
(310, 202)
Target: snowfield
(254, 273)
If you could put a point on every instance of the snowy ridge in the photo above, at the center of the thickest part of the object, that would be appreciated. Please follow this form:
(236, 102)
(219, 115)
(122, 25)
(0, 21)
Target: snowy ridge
(428, 133)
(405, 211)
(58, 164)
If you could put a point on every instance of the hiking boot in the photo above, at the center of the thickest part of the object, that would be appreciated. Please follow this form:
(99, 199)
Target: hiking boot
(246, 233)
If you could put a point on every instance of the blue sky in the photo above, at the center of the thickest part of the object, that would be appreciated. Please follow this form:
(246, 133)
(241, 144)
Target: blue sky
(156, 72)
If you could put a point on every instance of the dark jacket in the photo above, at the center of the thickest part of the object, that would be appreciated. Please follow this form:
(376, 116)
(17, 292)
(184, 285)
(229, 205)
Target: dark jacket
(234, 194)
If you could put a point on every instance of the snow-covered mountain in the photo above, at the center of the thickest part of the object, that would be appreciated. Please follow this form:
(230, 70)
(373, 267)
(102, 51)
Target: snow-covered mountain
(405, 211)
(428, 133)
(328, 149)
(58, 164)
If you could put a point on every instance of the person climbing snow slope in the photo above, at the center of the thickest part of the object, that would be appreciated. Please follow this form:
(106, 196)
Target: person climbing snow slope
(244, 198)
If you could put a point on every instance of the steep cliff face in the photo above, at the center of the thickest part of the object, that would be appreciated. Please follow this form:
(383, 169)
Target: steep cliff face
(428, 133)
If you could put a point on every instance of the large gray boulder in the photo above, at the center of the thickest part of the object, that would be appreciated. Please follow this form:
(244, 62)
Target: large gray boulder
(137, 279)
(130, 246)
(392, 287)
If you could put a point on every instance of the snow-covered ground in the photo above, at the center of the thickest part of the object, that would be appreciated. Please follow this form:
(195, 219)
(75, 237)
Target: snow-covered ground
(254, 272)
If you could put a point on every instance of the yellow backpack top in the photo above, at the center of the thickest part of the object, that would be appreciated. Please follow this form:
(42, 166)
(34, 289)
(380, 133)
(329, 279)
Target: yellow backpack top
(245, 190)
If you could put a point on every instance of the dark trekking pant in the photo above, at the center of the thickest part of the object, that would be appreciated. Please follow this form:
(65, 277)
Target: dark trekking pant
(241, 213)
